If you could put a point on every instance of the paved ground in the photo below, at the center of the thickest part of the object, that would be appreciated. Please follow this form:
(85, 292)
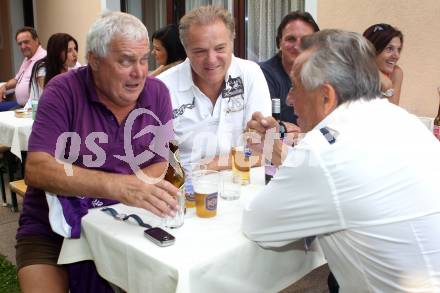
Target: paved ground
(315, 282)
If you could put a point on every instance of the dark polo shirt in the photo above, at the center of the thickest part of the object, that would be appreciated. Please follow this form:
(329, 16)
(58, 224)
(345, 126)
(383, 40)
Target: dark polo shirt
(279, 84)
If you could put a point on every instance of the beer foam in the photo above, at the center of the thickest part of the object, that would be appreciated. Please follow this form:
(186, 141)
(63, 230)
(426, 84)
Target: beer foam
(206, 185)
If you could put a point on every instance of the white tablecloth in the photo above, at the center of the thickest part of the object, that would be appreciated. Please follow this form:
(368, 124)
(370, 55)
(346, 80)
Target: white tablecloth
(210, 255)
(15, 132)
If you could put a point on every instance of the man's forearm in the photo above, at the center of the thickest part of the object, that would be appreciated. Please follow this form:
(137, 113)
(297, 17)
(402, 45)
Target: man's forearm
(44, 172)
(10, 84)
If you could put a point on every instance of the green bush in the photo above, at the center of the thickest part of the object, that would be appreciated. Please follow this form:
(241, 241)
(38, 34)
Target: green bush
(8, 277)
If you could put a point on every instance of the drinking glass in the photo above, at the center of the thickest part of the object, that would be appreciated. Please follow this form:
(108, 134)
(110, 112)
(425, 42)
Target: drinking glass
(241, 166)
(178, 219)
(206, 187)
(229, 190)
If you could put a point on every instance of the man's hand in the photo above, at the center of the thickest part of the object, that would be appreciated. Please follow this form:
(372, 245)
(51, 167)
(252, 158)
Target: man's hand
(44, 172)
(263, 137)
(3, 92)
(293, 133)
(256, 130)
(160, 198)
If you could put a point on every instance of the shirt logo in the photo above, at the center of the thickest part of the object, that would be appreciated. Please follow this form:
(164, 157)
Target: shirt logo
(328, 135)
(233, 91)
(179, 111)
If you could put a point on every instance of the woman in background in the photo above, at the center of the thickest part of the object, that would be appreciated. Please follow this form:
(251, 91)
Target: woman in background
(388, 42)
(167, 48)
(62, 55)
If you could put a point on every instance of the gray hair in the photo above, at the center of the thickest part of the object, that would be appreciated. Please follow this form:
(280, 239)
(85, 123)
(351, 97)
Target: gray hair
(205, 15)
(110, 25)
(346, 60)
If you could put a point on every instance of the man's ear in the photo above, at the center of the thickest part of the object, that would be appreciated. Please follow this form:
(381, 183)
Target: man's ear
(330, 98)
(93, 61)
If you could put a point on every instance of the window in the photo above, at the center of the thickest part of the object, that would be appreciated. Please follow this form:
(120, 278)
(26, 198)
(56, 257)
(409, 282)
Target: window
(261, 22)
(256, 21)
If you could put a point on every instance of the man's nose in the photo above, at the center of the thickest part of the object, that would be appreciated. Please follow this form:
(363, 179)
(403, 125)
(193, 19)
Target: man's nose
(212, 56)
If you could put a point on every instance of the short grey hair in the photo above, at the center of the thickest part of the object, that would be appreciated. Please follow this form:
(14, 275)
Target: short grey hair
(110, 25)
(205, 15)
(346, 60)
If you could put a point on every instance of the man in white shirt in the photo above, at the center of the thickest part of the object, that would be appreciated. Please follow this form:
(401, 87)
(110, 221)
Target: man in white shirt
(364, 179)
(213, 92)
(27, 40)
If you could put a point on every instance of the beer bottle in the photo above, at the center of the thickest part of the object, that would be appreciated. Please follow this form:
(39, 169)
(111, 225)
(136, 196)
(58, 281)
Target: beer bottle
(175, 174)
(269, 168)
(437, 119)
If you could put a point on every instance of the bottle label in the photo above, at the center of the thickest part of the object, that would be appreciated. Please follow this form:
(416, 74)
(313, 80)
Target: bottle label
(437, 131)
(211, 201)
(270, 170)
(189, 191)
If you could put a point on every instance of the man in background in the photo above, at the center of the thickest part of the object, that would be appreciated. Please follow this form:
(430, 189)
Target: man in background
(27, 40)
(292, 28)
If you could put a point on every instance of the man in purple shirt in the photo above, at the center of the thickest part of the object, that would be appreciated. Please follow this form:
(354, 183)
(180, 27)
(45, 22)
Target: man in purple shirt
(99, 138)
(27, 40)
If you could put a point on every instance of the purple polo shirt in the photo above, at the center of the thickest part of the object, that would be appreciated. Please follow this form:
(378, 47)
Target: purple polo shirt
(70, 104)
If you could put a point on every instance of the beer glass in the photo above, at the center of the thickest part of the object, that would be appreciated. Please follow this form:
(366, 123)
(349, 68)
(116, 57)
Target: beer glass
(241, 165)
(206, 185)
(189, 189)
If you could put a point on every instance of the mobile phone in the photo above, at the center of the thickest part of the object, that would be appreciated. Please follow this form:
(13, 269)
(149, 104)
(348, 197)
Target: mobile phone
(159, 236)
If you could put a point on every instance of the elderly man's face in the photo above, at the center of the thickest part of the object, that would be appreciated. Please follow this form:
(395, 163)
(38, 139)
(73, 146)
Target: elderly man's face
(209, 49)
(291, 39)
(309, 106)
(120, 76)
(28, 46)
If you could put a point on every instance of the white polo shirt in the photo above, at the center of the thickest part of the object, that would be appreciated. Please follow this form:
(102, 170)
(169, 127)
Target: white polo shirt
(372, 195)
(203, 130)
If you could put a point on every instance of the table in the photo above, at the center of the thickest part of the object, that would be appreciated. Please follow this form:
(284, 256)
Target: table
(210, 255)
(15, 132)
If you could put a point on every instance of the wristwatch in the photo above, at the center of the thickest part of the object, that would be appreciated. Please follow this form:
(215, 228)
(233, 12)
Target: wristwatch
(125, 217)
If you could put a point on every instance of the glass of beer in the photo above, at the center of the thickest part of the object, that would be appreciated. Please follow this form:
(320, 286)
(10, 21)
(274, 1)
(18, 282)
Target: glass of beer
(241, 165)
(206, 184)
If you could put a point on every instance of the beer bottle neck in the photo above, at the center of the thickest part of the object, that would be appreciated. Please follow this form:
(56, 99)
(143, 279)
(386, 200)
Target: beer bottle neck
(277, 116)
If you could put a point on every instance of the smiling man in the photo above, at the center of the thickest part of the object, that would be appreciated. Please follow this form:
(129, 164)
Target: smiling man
(78, 157)
(29, 44)
(292, 28)
(370, 195)
(213, 92)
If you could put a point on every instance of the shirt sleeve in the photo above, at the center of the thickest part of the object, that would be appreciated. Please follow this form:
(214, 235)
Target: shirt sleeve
(298, 202)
